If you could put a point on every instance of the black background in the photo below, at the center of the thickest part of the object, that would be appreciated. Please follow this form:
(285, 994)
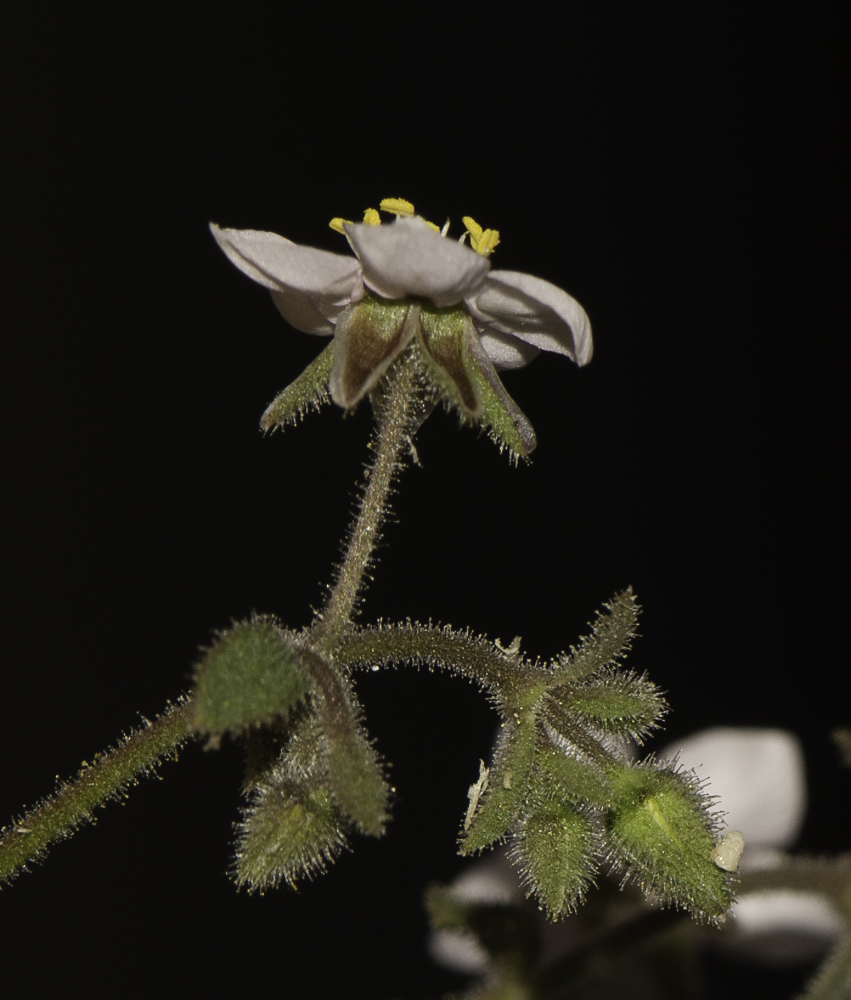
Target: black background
(675, 167)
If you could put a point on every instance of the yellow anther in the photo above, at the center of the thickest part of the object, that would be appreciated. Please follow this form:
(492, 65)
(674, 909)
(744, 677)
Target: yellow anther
(337, 225)
(371, 217)
(472, 227)
(398, 206)
(431, 225)
(483, 241)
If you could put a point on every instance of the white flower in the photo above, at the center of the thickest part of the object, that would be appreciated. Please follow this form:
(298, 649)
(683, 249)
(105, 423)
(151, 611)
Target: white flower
(409, 282)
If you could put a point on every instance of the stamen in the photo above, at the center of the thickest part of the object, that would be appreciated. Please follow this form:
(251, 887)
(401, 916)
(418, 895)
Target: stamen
(445, 229)
(397, 206)
(483, 241)
(337, 225)
(432, 226)
(371, 217)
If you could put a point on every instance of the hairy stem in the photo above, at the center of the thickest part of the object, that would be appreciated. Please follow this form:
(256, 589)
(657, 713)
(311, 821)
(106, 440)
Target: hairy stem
(59, 815)
(395, 413)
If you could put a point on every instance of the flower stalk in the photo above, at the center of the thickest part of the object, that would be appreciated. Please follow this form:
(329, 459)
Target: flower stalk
(396, 406)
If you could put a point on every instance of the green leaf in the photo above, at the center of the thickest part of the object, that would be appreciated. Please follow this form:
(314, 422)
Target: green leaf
(661, 835)
(555, 849)
(308, 391)
(356, 778)
(251, 675)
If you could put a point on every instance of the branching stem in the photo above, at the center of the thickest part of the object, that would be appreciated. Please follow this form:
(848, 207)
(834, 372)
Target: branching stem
(58, 816)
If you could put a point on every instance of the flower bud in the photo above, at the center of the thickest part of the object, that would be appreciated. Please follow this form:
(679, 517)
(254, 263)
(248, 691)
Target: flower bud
(555, 849)
(662, 836)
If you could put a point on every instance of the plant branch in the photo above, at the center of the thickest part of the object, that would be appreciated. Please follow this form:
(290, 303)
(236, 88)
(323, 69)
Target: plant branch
(59, 815)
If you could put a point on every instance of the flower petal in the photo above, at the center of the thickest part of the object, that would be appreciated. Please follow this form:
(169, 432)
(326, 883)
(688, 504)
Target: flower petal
(310, 287)
(758, 775)
(505, 350)
(535, 311)
(406, 257)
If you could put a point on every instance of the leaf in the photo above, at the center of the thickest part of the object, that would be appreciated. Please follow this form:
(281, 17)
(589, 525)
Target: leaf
(251, 675)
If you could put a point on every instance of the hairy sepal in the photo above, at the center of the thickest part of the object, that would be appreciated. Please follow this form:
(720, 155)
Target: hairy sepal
(251, 675)
(356, 778)
(569, 779)
(507, 788)
(613, 632)
(620, 704)
(555, 848)
(661, 835)
(308, 392)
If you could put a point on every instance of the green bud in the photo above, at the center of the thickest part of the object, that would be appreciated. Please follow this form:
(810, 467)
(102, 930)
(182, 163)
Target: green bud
(309, 391)
(555, 849)
(356, 778)
(250, 676)
(499, 803)
(661, 835)
(568, 778)
(617, 703)
(288, 832)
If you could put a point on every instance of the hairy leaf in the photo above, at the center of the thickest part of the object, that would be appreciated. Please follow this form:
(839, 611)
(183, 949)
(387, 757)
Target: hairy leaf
(251, 675)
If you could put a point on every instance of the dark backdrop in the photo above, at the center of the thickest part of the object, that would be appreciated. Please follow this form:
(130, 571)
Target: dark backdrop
(674, 167)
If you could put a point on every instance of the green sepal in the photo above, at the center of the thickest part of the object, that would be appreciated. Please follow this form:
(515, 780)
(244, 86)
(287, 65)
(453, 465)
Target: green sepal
(459, 369)
(503, 419)
(613, 632)
(555, 849)
(250, 676)
(369, 336)
(502, 800)
(570, 779)
(308, 391)
(661, 836)
(356, 778)
(618, 703)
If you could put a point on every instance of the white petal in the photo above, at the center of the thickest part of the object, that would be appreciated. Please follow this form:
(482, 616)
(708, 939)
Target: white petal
(310, 287)
(408, 258)
(759, 776)
(506, 351)
(783, 926)
(535, 311)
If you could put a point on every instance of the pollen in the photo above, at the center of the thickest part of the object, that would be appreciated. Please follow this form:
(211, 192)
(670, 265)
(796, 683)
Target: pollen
(483, 241)
(371, 217)
(398, 206)
(337, 225)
